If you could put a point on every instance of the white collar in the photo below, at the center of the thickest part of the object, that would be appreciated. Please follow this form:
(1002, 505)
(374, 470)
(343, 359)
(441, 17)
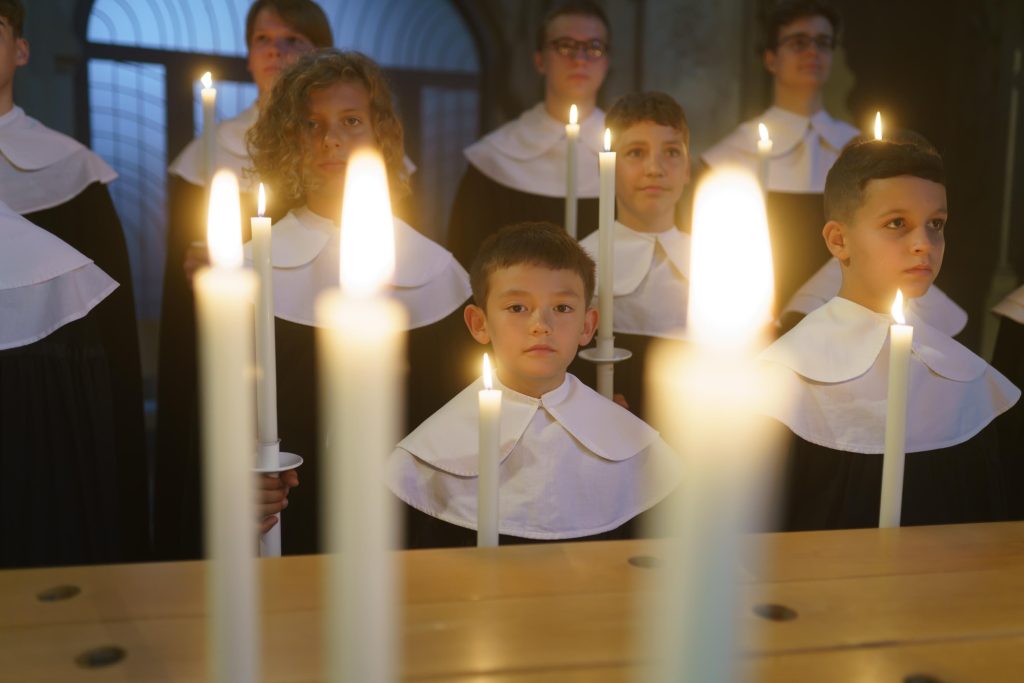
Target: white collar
(1012, 306)
(529, 154)
(935, 307)
(32, 255)
(31, 146)
(231, 152)
(787, 129)
(634, 253)
(836, 363)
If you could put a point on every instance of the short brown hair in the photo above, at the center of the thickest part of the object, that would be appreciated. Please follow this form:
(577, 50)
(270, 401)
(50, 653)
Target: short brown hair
(275, 143)
(785, 12)
(303, 16)
(654, 106)
(531, 243)
(14, 12)
(582, 8)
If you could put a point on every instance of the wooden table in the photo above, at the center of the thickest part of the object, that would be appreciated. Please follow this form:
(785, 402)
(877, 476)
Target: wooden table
(871, 606)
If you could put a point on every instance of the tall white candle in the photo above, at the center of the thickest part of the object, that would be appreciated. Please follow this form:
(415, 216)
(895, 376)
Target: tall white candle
(209, 95)
(901, 336)
(764, 151)
(572, 134)
(224, 295)
(487, 483)
(362, 350)
(878, 125)
(606, 269)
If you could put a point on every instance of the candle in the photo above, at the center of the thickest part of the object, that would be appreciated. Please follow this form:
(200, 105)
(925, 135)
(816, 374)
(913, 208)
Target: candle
(572, 134)
(487, 483)
(606, 270)
(361, 347)
(209, 95)
(266, 363)
(901, 336)
(878, 125)
(224, 294)
(764, 150)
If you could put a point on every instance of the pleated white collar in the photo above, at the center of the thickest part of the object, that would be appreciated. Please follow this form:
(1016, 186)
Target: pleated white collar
(634, 254)
(1012, 306)
(787, 129)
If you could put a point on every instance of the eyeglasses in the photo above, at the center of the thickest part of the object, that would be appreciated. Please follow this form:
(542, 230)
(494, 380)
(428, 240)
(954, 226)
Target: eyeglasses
(799, 42)
(592, 50)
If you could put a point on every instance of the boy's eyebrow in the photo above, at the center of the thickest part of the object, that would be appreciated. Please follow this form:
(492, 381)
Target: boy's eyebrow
(941, 209)
(523, 292)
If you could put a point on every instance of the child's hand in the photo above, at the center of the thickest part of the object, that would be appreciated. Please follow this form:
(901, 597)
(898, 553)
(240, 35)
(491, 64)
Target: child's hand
(621, 400)
(273, 497)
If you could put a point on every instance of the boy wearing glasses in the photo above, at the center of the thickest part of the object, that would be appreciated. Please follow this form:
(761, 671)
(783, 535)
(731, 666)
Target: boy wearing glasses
(799, 37)
(518, 172)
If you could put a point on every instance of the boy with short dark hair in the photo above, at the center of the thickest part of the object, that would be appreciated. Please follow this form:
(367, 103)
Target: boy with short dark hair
(886, 208)
(573, 464)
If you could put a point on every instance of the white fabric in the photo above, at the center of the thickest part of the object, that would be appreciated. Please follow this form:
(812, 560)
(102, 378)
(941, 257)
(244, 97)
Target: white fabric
(529, 154)
(41, 168)
(803, 149)
(1012, 306)
(652, 280)
(428, 280)
(935, 307)
(44, 283)
(836, 364)
(573, 463)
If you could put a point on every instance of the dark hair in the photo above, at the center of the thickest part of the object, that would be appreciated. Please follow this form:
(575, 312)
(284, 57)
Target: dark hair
(785, 12)
(276, 143)
(532, 243)
(303, 16)
(654, 106)
(582, 8)
(862, 162)
(14, 12)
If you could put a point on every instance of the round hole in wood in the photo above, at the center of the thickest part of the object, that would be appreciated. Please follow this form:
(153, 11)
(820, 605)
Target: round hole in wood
(644, 561)
(99, 657)
(775, 612)
(58, 593)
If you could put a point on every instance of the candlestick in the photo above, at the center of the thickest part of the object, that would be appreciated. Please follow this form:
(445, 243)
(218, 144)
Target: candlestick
(878, 125)
(606, 269)
(901, 337)
(572, 133)
(361, 343)
(487, 482)
(764, 150)
(209, 95)
(224, 294)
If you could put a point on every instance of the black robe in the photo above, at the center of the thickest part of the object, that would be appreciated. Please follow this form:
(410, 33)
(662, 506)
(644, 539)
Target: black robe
(89, 223)
(1008, 358)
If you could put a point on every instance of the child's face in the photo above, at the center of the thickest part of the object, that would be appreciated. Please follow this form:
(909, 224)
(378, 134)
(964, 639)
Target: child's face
(13, 53)
(275, 46)
(338, 122)
(798, 62)
(535, 319)
(575, 78)
(895, 240)
(651, 170)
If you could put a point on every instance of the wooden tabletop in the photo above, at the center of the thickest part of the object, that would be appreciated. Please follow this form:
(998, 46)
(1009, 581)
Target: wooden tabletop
(868, 605)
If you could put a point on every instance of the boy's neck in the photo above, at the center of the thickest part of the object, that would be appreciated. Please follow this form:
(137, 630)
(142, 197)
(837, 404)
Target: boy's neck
(878, 304)
(805, 102)
(558, 107)
(638, 223)
(325, 204)
(534, 388)
(6, 99)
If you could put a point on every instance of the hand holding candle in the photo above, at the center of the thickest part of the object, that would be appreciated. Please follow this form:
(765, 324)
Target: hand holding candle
(901, 336)
(572, 134)
(487, 483)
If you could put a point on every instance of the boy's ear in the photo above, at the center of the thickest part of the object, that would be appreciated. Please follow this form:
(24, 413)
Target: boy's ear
(21, 52)
(538, 62)
(476, 321)
(590, 319)
(769, 61)
(834, 233)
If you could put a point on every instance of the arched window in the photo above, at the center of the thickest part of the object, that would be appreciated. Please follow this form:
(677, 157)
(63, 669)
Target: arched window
(143, 59)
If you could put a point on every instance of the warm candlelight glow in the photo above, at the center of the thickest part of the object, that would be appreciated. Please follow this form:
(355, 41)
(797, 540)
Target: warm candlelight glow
(897, 308)
(731, 289)
(224, 222)
(487, 373)
(574, 115)
(878, 125)
(261, 201)
(762, 132)
(207, 80)
(367, 227)
(607, 139)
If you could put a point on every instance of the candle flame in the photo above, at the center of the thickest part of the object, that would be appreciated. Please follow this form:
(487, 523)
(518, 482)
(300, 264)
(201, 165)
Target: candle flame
(731, 289)
(574, 114)
(367, 226)
(607, 139)
(261, 201)
(897, 308)
(207, 80)
(762, 132)
(224, 221)
(487, 372)
(878, 125)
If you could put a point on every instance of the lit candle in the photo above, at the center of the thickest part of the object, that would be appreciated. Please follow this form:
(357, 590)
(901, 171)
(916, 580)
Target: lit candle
(764, 150)
(572, 134)
(209, 95)
(266, 363)
(901, 336)
(487, 483)
(606, 270)
(224, 295)
(361, 348)
(878, 125)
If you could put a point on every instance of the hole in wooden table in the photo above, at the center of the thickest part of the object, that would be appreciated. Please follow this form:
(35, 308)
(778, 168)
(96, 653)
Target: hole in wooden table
(775, 612)
(99, 657)
(58, 593)
(644, 561)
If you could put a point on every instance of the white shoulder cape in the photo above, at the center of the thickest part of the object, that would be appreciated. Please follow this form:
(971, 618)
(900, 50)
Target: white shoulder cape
(1012, 306)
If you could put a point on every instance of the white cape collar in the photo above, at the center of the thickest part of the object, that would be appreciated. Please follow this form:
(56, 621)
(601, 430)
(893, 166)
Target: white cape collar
(32, 255)
(231, 152)
(1012, 306)
(786, 129)
(634, 253)
(529, 154)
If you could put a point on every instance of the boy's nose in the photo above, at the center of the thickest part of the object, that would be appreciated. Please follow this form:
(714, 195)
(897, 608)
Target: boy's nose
(540, 323)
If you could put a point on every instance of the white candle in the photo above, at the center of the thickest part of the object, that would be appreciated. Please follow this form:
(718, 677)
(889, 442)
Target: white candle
(901, 336)
(878, 125)
(572, 134)
(361, 348)
(764, 150)
(606, 270)
(487, 483)
(209, 95)
(224, 295)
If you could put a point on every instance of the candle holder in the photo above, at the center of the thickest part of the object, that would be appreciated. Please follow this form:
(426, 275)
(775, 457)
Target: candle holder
(270, 542)
(605, 356)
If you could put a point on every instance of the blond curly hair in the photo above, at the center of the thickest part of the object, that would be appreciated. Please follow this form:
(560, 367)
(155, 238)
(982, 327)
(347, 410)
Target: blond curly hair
(276, 142)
